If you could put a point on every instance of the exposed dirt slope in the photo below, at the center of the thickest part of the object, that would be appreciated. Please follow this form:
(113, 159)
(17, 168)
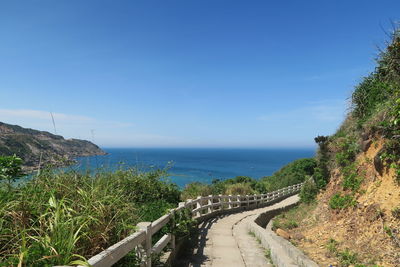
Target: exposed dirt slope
(369, 229)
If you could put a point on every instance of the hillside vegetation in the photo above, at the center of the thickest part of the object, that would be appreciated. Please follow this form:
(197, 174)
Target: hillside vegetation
(295, 172)
(357, 217)
(64, 218)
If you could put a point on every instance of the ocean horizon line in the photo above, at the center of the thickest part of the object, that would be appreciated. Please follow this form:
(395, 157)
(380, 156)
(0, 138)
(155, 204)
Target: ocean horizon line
(211, 148)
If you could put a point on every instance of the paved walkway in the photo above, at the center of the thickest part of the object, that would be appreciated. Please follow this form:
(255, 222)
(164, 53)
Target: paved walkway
(224, 241)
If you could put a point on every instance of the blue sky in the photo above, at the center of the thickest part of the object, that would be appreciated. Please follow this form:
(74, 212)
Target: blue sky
(187, 73)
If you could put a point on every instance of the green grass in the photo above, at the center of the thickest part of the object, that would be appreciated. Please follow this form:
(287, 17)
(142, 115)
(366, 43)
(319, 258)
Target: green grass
(331, 246)
(347, 257)
(58, 216)
(292, 218)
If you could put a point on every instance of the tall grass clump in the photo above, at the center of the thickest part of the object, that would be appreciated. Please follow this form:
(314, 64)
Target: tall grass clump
(62, 218)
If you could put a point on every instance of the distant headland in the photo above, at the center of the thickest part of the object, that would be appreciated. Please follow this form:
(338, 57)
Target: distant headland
(38, 148)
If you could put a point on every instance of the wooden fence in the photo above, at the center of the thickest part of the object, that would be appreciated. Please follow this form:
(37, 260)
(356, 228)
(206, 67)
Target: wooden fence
(201, 208)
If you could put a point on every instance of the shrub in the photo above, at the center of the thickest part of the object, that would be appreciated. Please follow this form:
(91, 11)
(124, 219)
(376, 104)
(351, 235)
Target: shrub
(293, 173)
(308, 192)
(348, 150)
(391, 156)
(347, 257)
(240, 180)
(351, 179)
(239, 189)
(10, 168)
(338, 201)
(193, 190)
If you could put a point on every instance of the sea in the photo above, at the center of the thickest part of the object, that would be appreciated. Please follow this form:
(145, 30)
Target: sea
(186, 165)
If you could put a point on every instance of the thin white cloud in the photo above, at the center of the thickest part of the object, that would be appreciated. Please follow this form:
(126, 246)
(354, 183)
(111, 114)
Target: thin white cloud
(41, 115)
(102, 132)
(68, 125)
(324, 111)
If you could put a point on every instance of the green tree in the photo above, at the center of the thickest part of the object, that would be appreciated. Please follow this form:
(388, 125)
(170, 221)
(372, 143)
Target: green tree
(321, 172)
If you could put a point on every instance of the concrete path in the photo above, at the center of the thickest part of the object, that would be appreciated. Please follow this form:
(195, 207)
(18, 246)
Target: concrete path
(225, 241)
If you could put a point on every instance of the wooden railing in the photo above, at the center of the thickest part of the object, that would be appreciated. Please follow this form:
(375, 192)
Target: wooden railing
(200, 208)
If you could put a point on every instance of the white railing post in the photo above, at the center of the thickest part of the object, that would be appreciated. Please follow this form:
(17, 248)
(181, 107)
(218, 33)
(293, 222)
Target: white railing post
(248, 201)
(210, 204)
(229, 202)
(173, 226)
(146, 226)
(239, 200)
(189, 206)
(221, 202)
(198, 206)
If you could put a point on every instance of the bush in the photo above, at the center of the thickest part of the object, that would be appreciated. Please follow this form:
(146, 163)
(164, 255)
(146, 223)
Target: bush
(293, 173)
(239, 189)
(351, 179)
(391, 156)
(10, 168)
(347, 257)
(193, 190)
(338, 201)
(348, 150)
(308, 192)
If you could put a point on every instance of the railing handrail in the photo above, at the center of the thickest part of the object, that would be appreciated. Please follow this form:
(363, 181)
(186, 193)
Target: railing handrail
(212, 205)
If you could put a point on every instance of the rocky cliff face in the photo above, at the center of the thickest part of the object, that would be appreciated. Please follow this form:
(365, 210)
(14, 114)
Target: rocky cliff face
(40, 147)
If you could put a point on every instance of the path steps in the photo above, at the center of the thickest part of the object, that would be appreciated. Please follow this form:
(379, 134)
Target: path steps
(225, 241)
